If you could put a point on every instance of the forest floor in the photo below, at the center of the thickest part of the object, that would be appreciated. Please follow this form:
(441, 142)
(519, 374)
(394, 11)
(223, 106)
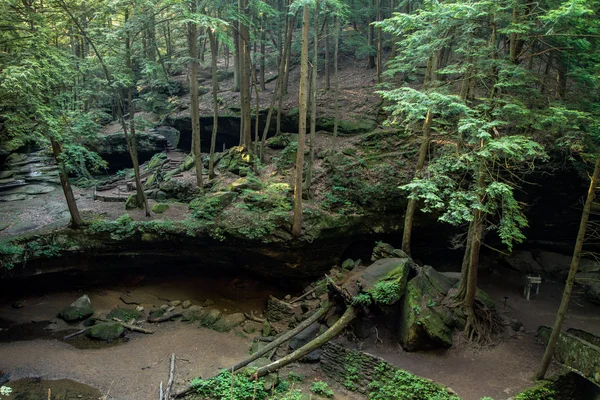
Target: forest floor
(134, 369)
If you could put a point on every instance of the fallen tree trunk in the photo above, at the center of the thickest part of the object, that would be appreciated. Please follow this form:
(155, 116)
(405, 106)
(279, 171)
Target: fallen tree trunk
(332, 332)
(171, 377)
(274, 344)
(133, 327)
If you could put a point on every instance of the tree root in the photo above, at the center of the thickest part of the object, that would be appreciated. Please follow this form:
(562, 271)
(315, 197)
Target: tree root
(482, 323)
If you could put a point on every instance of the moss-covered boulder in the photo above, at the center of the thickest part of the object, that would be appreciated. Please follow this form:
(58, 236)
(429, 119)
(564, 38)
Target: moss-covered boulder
(132, 202)
(349, 126)
(208, 317)
(385, 280)
(425, 323)
(384, 250)
(245, 184)
(160, 208)
(181, 190)
(105, 331)
(279, 141)
(238, 161)
(227, 322)
(78, 310)
(124, 314)
(157, 161)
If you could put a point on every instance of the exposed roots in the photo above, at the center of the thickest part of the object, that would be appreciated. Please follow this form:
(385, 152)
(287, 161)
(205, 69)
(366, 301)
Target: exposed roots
(482, 323)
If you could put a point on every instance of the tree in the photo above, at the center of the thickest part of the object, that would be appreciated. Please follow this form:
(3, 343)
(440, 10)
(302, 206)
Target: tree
(564, 303)
(192, 39)
(303, 106)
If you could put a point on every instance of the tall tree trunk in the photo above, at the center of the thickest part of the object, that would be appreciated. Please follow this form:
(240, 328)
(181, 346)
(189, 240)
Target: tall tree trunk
(257, 106)
(564, 303)
(263, 38)
(236, 60)
(313, 107)
(282, 71)
(192, 39)
(327, 51)
(290, 23)
(76, 221)
(379, 44)
(215, 89)
(244, 34)
(142, 201)
(303, 102)
(513, 39)
(412, 203)
(561, 81)
(336, 80)
(371, 38)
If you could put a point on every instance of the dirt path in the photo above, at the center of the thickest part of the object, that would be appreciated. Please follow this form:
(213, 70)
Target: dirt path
(132, 370)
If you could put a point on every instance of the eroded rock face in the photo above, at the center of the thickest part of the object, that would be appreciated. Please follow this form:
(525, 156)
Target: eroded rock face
(425, 323)
(113, 148)
(78, 310)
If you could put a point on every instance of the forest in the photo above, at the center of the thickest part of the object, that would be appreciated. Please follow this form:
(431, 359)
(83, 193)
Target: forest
(358, 199)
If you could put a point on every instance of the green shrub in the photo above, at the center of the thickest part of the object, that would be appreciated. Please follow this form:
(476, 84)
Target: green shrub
(322, 389)
(222, 388)
(545, 391)
(405, 386)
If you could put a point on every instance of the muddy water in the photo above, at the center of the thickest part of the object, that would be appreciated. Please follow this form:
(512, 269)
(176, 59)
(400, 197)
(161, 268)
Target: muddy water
(62, 389)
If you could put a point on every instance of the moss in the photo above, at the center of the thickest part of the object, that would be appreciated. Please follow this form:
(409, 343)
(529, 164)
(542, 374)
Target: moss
(132, 202)
(124, 314)
(160, 208)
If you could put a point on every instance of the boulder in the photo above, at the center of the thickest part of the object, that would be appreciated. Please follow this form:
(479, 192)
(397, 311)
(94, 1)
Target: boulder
(228, 322)
(384, 250)
(124, 314)
(209, 317)
(160, 208)
(181, 190)
(131, 203)
(554, 263)
(523, 261)
(105, 331)
(237, 161)
(192, 313)
(305, 336)
(424, 322)
(6, 174)
(385, 280)
(348, 264)
(113, 148)
(593, 293)
(78, 310)
(278, 310)
(186, 304)
(279, 142)
(244, 184)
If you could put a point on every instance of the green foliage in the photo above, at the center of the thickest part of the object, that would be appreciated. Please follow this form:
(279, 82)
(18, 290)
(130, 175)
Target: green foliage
(10, 254)
(221, 387)
(122, 228)
(403, 385)
(80, 161)
(362, 299)
(386, 292)
(352, 368)
(206, 207)
(295, 377)
(322, 389)
(544, 391)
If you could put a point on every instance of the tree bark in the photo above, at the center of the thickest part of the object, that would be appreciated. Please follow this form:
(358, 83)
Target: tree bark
(303, 102)
(564, 304)
(313, 108)
(76, 221)
(192, 39)
(371, 37)
(131, 139)
(283, 71)
(379, 44)
(263, 37)
(244, 78)
(412, 203)
(336, 80)
(215, 89)
(327, 51)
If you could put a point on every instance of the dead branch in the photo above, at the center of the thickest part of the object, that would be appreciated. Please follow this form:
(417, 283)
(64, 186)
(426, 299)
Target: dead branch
(171, 376)
(84, 330)
(254, 318)
(165, 317)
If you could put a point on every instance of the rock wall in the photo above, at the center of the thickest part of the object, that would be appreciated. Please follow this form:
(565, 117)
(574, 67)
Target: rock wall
(575, 352)
(355, 370)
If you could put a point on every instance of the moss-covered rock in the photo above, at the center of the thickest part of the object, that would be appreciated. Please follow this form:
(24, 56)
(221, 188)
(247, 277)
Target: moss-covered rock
(105, 331)
(78, 310)
(244, 184)
(124, 314)
(181, 190)
(425, 323)
(157, 161)
(160, 208)
(228, 322)
(208, 317)
(238, 161)
(347, 127)
(279, 141)
(132, 202)
(385, 280)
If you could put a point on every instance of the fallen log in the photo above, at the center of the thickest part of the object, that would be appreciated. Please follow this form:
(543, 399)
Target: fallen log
(165, 317)
(133, 327)
(252, 317)
(84, 330)
(332, 332)
(171, 376)
(274, 344)
(264, 338)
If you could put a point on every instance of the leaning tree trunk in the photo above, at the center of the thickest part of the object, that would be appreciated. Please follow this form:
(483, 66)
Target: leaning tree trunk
(327, 66)
(303, 100)
(564, 304)
(283, 70)
(131, 140)
(412, 203)
(192, 36)
(244, 34)
(215, 88)
(76, 221)
(329, 334)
